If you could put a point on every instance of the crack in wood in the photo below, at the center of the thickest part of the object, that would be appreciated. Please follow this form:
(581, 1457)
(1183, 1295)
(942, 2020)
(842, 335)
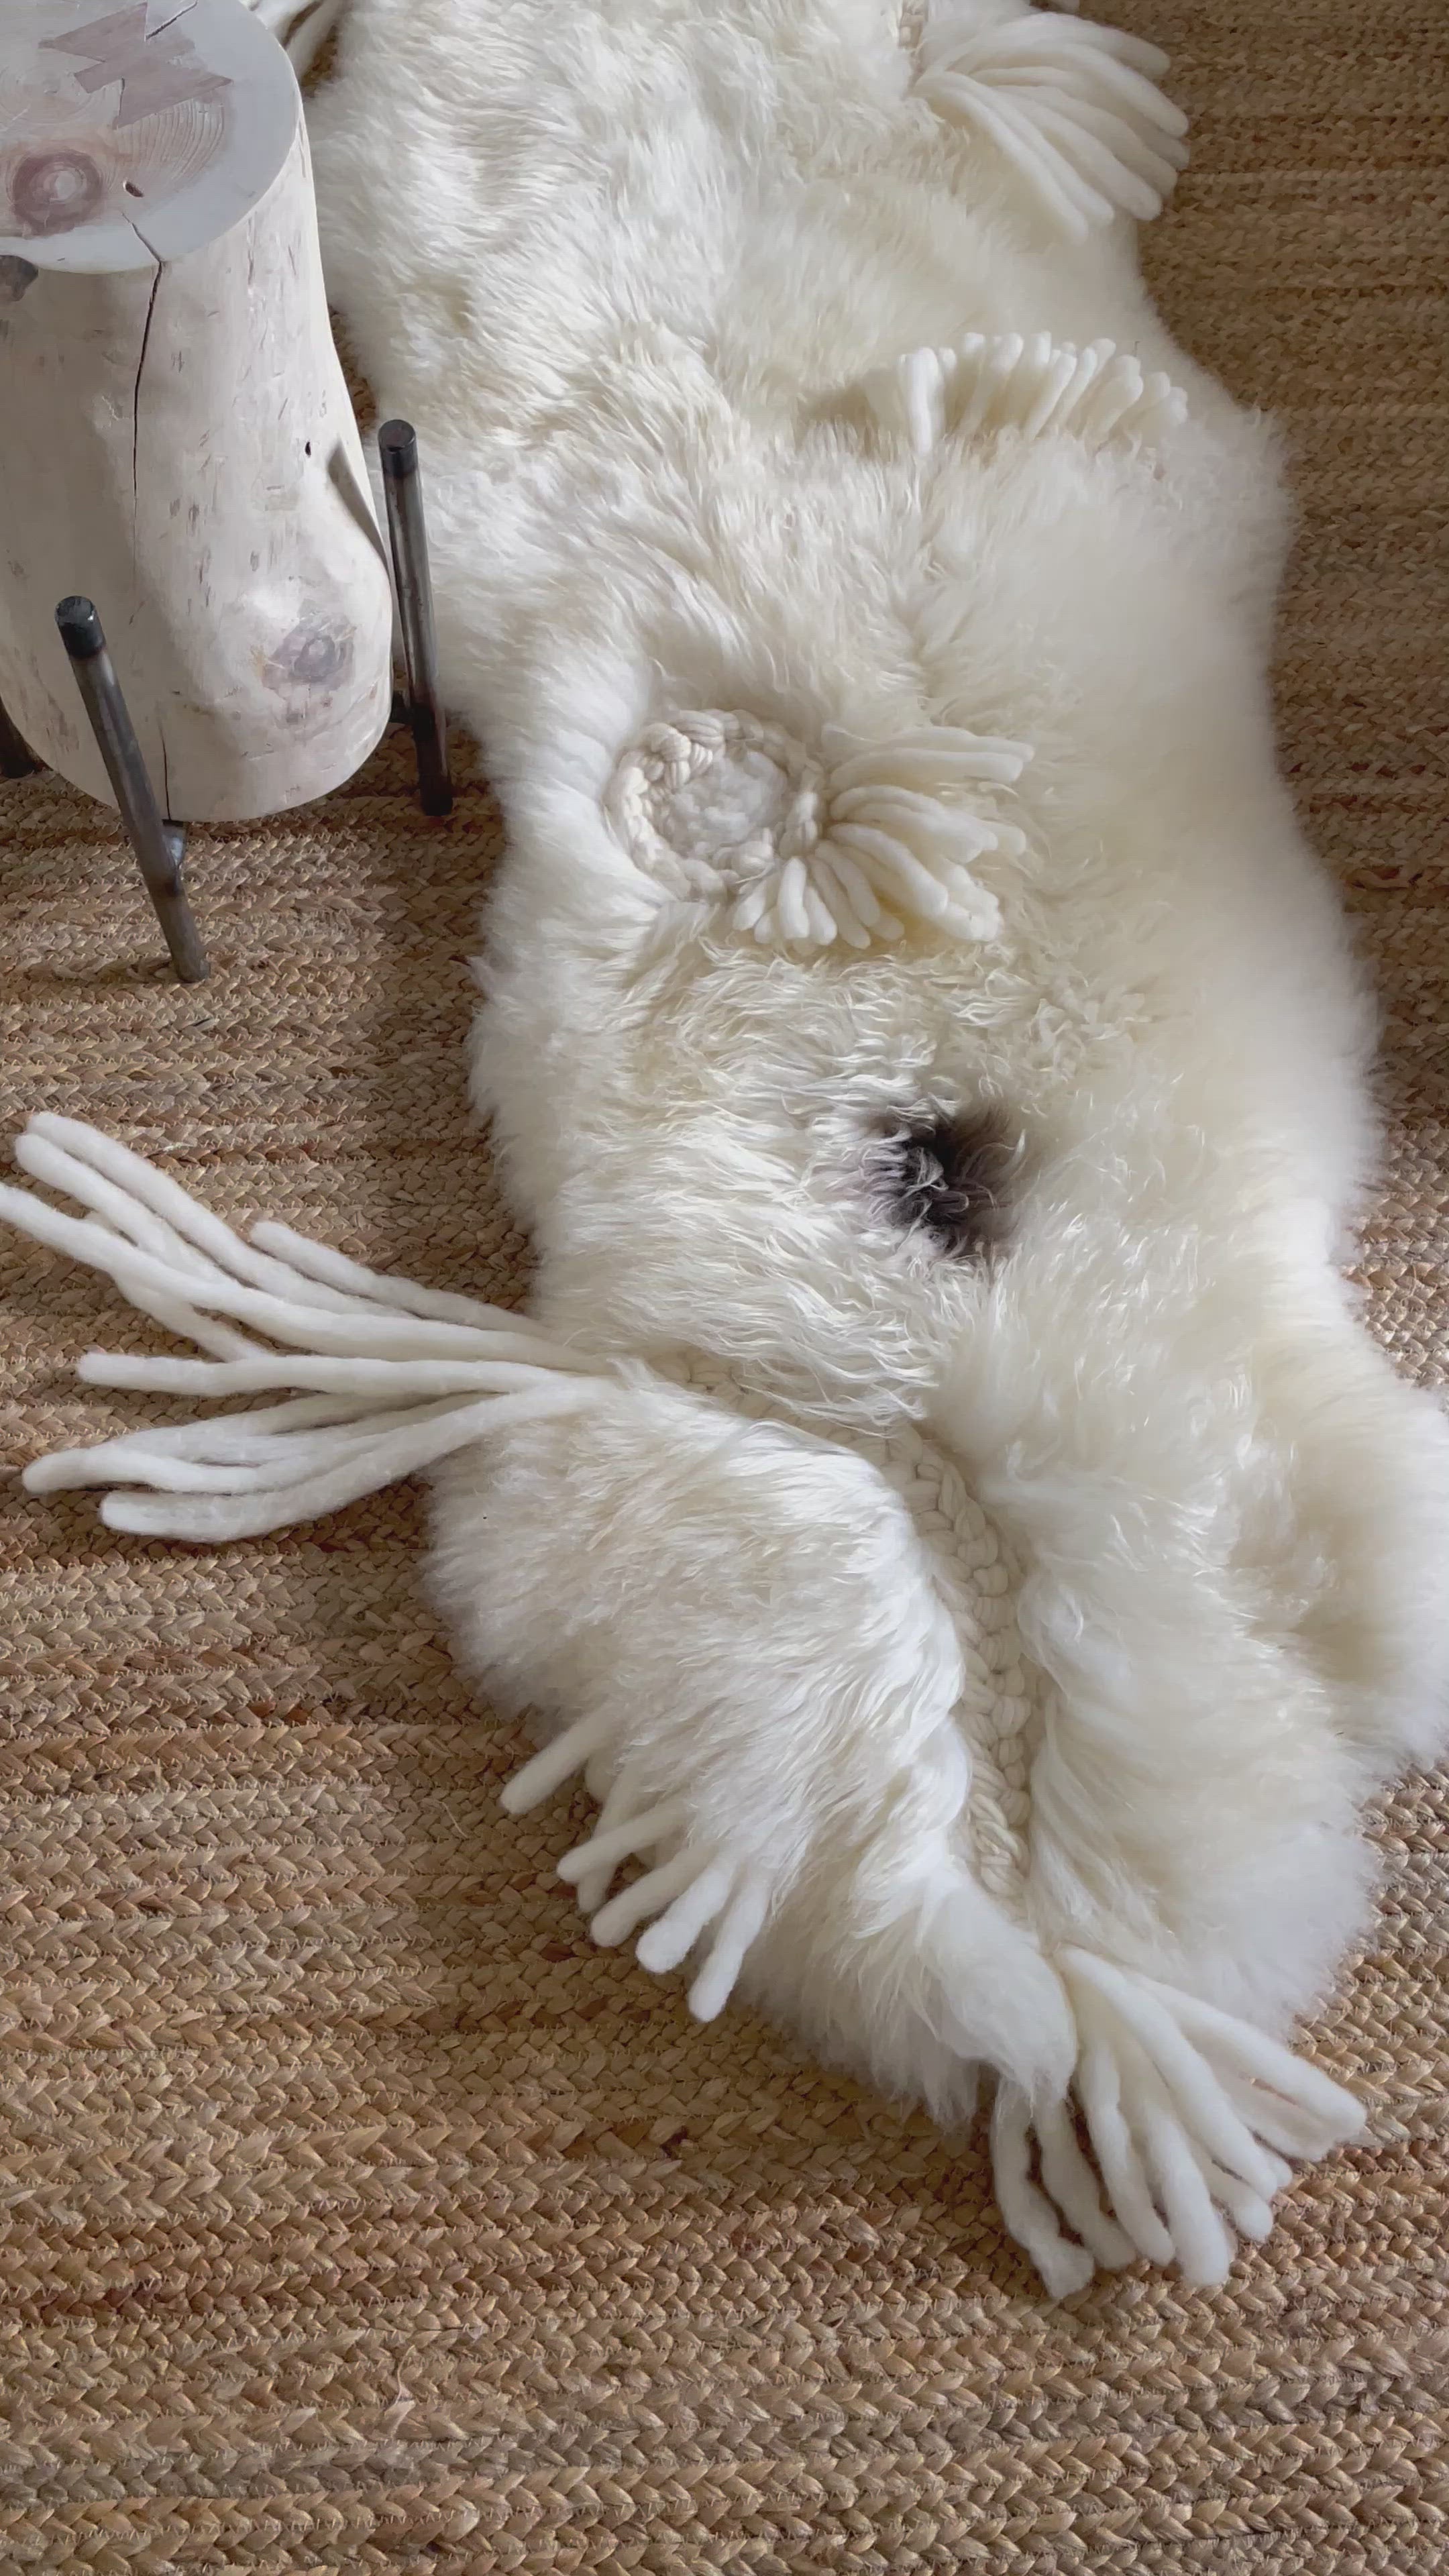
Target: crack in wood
(136, 405)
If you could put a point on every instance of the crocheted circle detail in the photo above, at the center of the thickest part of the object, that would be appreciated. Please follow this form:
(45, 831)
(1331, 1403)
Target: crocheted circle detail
(709, 804)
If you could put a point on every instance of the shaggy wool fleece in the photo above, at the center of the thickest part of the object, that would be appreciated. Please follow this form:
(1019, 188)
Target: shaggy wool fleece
(928, 1059)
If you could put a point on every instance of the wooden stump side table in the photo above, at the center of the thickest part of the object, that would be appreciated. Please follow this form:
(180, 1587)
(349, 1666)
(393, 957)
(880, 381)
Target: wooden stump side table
(178, 446)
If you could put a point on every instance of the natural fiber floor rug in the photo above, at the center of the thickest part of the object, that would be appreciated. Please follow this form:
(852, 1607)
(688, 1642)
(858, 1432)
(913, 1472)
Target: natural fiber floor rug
(360, 2215)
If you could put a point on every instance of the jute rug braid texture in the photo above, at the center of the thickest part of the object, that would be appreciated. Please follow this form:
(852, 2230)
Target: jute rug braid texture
(356, 2214)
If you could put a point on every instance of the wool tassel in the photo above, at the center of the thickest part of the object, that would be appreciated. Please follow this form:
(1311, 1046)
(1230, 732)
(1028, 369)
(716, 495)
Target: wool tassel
(385, 1378)
(1184, 2107)
(1074, 107)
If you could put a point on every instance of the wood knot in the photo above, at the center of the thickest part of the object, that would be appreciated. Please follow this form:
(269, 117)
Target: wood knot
(54, 191)
(310, 657)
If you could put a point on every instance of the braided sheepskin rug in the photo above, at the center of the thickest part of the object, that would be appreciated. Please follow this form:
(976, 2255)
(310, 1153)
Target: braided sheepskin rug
(941, 1497)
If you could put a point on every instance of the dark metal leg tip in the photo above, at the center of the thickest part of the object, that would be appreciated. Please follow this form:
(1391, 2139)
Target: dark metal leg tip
(435, 794)
(174, 913)
(190, 960)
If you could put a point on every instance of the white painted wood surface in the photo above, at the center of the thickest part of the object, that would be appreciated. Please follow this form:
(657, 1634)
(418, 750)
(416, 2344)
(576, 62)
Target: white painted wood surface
(176, 440)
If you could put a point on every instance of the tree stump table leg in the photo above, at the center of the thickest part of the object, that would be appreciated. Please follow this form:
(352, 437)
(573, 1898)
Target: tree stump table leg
(179, 442)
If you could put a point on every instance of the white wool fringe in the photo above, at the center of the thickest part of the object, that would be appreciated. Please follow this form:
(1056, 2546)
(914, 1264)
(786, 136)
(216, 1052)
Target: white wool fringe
(1189, 2113)
(1074, 108)
(1031, 384)
(896, 832)
(364, 1349)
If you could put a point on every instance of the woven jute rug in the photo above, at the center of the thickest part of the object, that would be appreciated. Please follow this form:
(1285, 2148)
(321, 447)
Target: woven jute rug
(358, 2214)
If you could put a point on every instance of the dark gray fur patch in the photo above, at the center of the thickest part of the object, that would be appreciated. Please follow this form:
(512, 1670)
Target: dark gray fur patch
(950, 1179)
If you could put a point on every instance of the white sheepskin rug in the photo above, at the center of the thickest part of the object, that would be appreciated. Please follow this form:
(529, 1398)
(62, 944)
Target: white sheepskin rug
(942, 1498)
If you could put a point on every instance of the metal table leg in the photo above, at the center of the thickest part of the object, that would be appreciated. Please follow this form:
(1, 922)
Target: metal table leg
(398, 447)
(158, 845)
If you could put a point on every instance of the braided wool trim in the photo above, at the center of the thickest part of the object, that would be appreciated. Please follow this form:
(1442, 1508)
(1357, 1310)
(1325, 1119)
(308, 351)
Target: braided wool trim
(672, 756)
(998, 1715)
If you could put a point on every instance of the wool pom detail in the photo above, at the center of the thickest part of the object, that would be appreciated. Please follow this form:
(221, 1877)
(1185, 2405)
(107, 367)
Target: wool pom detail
(852, 843)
